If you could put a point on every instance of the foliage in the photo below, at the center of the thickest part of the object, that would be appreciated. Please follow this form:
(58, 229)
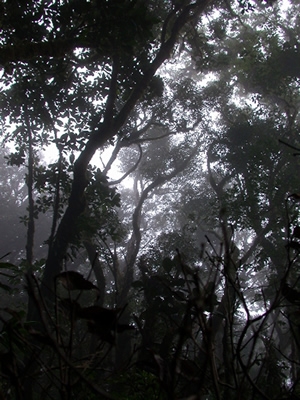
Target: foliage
(183, 282)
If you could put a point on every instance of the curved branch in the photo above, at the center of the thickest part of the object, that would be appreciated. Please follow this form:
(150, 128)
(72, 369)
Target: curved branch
(149, 139)
(112, 158)
(135, 240)
(130, 169)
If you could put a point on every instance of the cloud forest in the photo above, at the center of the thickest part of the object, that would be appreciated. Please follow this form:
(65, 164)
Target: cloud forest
(150, 199)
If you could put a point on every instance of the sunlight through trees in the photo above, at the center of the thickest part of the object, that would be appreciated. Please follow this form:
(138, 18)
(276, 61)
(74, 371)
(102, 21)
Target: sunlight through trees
(177, 278)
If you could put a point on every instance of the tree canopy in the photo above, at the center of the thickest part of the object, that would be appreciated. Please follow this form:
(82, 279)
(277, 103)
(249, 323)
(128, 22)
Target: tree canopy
(150, 199)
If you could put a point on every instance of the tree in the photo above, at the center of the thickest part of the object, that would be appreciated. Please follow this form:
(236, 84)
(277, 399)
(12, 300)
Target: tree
(126, 76)
(48, 97)
(211, 282)
(245, 213)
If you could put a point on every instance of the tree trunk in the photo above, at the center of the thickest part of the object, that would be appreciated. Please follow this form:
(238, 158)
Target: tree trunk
(107, 130)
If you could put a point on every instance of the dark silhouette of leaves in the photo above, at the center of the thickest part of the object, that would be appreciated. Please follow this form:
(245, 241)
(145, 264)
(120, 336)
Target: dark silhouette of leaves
(73, 280)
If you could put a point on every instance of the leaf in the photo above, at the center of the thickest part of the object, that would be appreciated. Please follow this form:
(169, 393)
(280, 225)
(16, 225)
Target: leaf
(292, 295)
(295, 196)
(6, 287)
(103, 316)
(8, 364)
(210, 301)
(179, 295)
(167, 264)
(8, 275)
(102, 321)
(137, 285)
(296, 232)
(294, 245)
(40, 337)
(104, 334)
(125, 327)
(179, 282)
(8, 266)
(73, 280)
(17, 315)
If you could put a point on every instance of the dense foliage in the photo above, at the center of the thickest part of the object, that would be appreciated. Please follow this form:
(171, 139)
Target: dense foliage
(150, 199)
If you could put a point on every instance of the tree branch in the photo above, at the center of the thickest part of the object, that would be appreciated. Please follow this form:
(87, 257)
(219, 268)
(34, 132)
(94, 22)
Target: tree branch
(31, 227)
(133, 168)
(98, 138)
